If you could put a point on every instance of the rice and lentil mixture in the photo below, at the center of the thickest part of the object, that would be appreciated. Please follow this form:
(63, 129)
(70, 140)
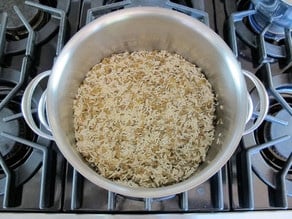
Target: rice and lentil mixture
(144, 119)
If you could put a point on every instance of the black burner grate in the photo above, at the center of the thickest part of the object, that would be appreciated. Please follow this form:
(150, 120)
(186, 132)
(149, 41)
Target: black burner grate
(261, 168)
(268, 48)
(46, 24)
(34, 179)
(52, 185)
(92, 11)
(83, 196)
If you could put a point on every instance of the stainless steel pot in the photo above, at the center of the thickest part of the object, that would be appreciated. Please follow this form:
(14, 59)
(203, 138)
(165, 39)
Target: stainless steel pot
(147, 28)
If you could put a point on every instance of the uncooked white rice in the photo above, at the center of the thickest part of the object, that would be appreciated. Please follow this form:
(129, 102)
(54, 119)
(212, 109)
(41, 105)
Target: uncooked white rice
(144, 118)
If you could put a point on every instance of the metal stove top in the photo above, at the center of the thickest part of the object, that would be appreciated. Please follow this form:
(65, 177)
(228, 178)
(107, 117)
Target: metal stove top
(34, 176)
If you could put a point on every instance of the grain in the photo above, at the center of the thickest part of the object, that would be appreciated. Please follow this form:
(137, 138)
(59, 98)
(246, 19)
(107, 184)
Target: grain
(144, 119)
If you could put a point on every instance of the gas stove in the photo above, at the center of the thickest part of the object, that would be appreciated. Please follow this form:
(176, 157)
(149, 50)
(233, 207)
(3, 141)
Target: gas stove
(34, 176)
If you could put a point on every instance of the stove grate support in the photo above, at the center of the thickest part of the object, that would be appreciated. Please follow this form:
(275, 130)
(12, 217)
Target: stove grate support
(288, 39)
(60, 15)
(265, 73)
(26, 61)
(247, 178)
(281, 184)
(96, 12)
(76, 193)
(8, 184)
(216, 186)
(268, 52)
(46, 177)
(233, 19)
(3, 24)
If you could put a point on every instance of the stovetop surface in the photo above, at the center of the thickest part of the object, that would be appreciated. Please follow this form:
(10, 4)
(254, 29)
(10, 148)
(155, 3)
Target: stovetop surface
(42, 180)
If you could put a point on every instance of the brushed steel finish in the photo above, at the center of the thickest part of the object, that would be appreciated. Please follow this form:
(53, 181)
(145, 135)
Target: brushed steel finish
(149, 28)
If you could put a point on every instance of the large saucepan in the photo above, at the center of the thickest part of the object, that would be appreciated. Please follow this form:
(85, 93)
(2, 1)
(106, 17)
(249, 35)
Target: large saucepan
(147, 28)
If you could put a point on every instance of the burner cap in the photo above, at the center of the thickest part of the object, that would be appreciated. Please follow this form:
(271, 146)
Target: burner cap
(276, 14)
(283, 149)
(248, 28)
(258, 23)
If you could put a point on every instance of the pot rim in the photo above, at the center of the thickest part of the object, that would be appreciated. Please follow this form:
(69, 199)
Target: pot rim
(84, 168)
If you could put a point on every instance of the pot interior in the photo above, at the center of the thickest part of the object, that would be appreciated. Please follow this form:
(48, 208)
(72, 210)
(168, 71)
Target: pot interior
(147, 28)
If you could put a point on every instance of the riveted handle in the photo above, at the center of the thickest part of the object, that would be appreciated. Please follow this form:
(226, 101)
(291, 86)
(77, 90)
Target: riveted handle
(26, 106)
(264, 102)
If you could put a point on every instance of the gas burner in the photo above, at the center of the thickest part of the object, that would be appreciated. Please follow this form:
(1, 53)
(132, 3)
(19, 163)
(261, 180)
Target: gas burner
(15, 28)
(277, 155)
(15, 137)
(272, 14)
(275, 133)
(258, 24)
(13, 153)
(266, 35)
(44, 17)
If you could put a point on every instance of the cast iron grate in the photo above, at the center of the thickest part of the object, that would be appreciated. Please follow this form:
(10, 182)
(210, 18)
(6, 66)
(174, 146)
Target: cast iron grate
(262, 165)
(268, 50)
(43, 29)
(39, 163)
(95, 11)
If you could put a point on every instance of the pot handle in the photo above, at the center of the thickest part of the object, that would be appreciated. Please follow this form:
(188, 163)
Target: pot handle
(28, 94)
(264, 102)
(27, 111)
